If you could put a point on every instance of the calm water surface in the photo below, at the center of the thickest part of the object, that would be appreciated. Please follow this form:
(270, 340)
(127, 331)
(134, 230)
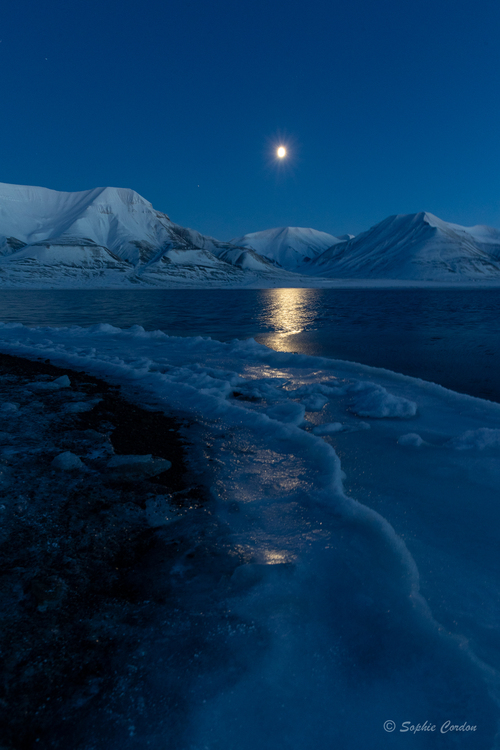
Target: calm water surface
(450, 337)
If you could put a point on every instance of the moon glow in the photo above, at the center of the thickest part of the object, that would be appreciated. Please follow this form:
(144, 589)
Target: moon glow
(281, 152)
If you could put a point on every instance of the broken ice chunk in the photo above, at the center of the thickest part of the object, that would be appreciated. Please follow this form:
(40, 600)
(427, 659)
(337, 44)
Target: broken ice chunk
(411, 439)
(288, 412)
(378, 403)
(62, 382)
(80, 406)
(54, 385)
(481, 439)
(133, 468)
(315, 402)
(8, 407)
(67, 461)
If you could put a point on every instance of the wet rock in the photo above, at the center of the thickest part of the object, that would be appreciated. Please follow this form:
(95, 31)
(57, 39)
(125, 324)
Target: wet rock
(5, 476)
(250, 574)
(158, 511)
(48, 591)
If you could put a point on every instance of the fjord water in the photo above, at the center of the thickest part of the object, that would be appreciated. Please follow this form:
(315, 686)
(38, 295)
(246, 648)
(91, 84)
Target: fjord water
(446, 336)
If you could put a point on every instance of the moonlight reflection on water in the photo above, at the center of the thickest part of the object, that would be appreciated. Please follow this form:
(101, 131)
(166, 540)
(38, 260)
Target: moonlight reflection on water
(447, 336)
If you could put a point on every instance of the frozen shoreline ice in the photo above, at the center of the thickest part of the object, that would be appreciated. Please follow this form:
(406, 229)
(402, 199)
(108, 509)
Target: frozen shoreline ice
(377, 586)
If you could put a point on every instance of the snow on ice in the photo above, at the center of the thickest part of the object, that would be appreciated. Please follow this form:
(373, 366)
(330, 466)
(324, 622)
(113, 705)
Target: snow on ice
(369, 583)
(411, 438)
(68, 461)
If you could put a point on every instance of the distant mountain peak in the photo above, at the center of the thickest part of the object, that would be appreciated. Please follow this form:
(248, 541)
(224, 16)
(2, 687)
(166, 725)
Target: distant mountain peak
(290, 247)
(417, 246)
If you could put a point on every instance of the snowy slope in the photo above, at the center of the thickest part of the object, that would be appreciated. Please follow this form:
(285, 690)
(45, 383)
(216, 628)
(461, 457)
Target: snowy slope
(109, 235)
(292, 247)
(68, 258)
(114, 218)
(112, 237)
(230, 252)
(414, 246)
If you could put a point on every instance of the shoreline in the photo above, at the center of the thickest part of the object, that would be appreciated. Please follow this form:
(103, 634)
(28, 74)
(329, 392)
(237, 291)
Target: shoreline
(338, 285)
(184, 642)
(77, 546)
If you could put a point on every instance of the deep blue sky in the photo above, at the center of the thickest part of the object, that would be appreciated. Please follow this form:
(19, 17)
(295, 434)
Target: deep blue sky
(387, 107)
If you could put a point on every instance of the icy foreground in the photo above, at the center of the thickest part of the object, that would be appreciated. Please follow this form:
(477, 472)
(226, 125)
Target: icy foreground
(114, 238)
(366, 596)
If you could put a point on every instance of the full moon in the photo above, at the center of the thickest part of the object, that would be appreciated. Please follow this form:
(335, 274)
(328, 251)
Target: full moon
(281, 152)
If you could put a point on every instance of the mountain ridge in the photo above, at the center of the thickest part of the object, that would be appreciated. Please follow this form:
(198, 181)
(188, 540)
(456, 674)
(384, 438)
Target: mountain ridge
(114, 237)
(122, 229)
(414, 246)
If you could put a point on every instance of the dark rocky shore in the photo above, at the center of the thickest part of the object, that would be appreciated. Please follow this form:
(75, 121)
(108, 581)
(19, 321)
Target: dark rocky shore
(87, 560)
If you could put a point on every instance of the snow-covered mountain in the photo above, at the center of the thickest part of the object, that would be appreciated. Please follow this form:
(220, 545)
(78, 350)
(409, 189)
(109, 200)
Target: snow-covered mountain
(108, 235)
(417, 247)
(291, 247)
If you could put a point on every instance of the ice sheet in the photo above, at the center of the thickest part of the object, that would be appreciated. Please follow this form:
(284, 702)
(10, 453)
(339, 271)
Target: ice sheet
(371, 560)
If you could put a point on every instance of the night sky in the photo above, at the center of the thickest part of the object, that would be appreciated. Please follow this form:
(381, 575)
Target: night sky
(385, 107)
